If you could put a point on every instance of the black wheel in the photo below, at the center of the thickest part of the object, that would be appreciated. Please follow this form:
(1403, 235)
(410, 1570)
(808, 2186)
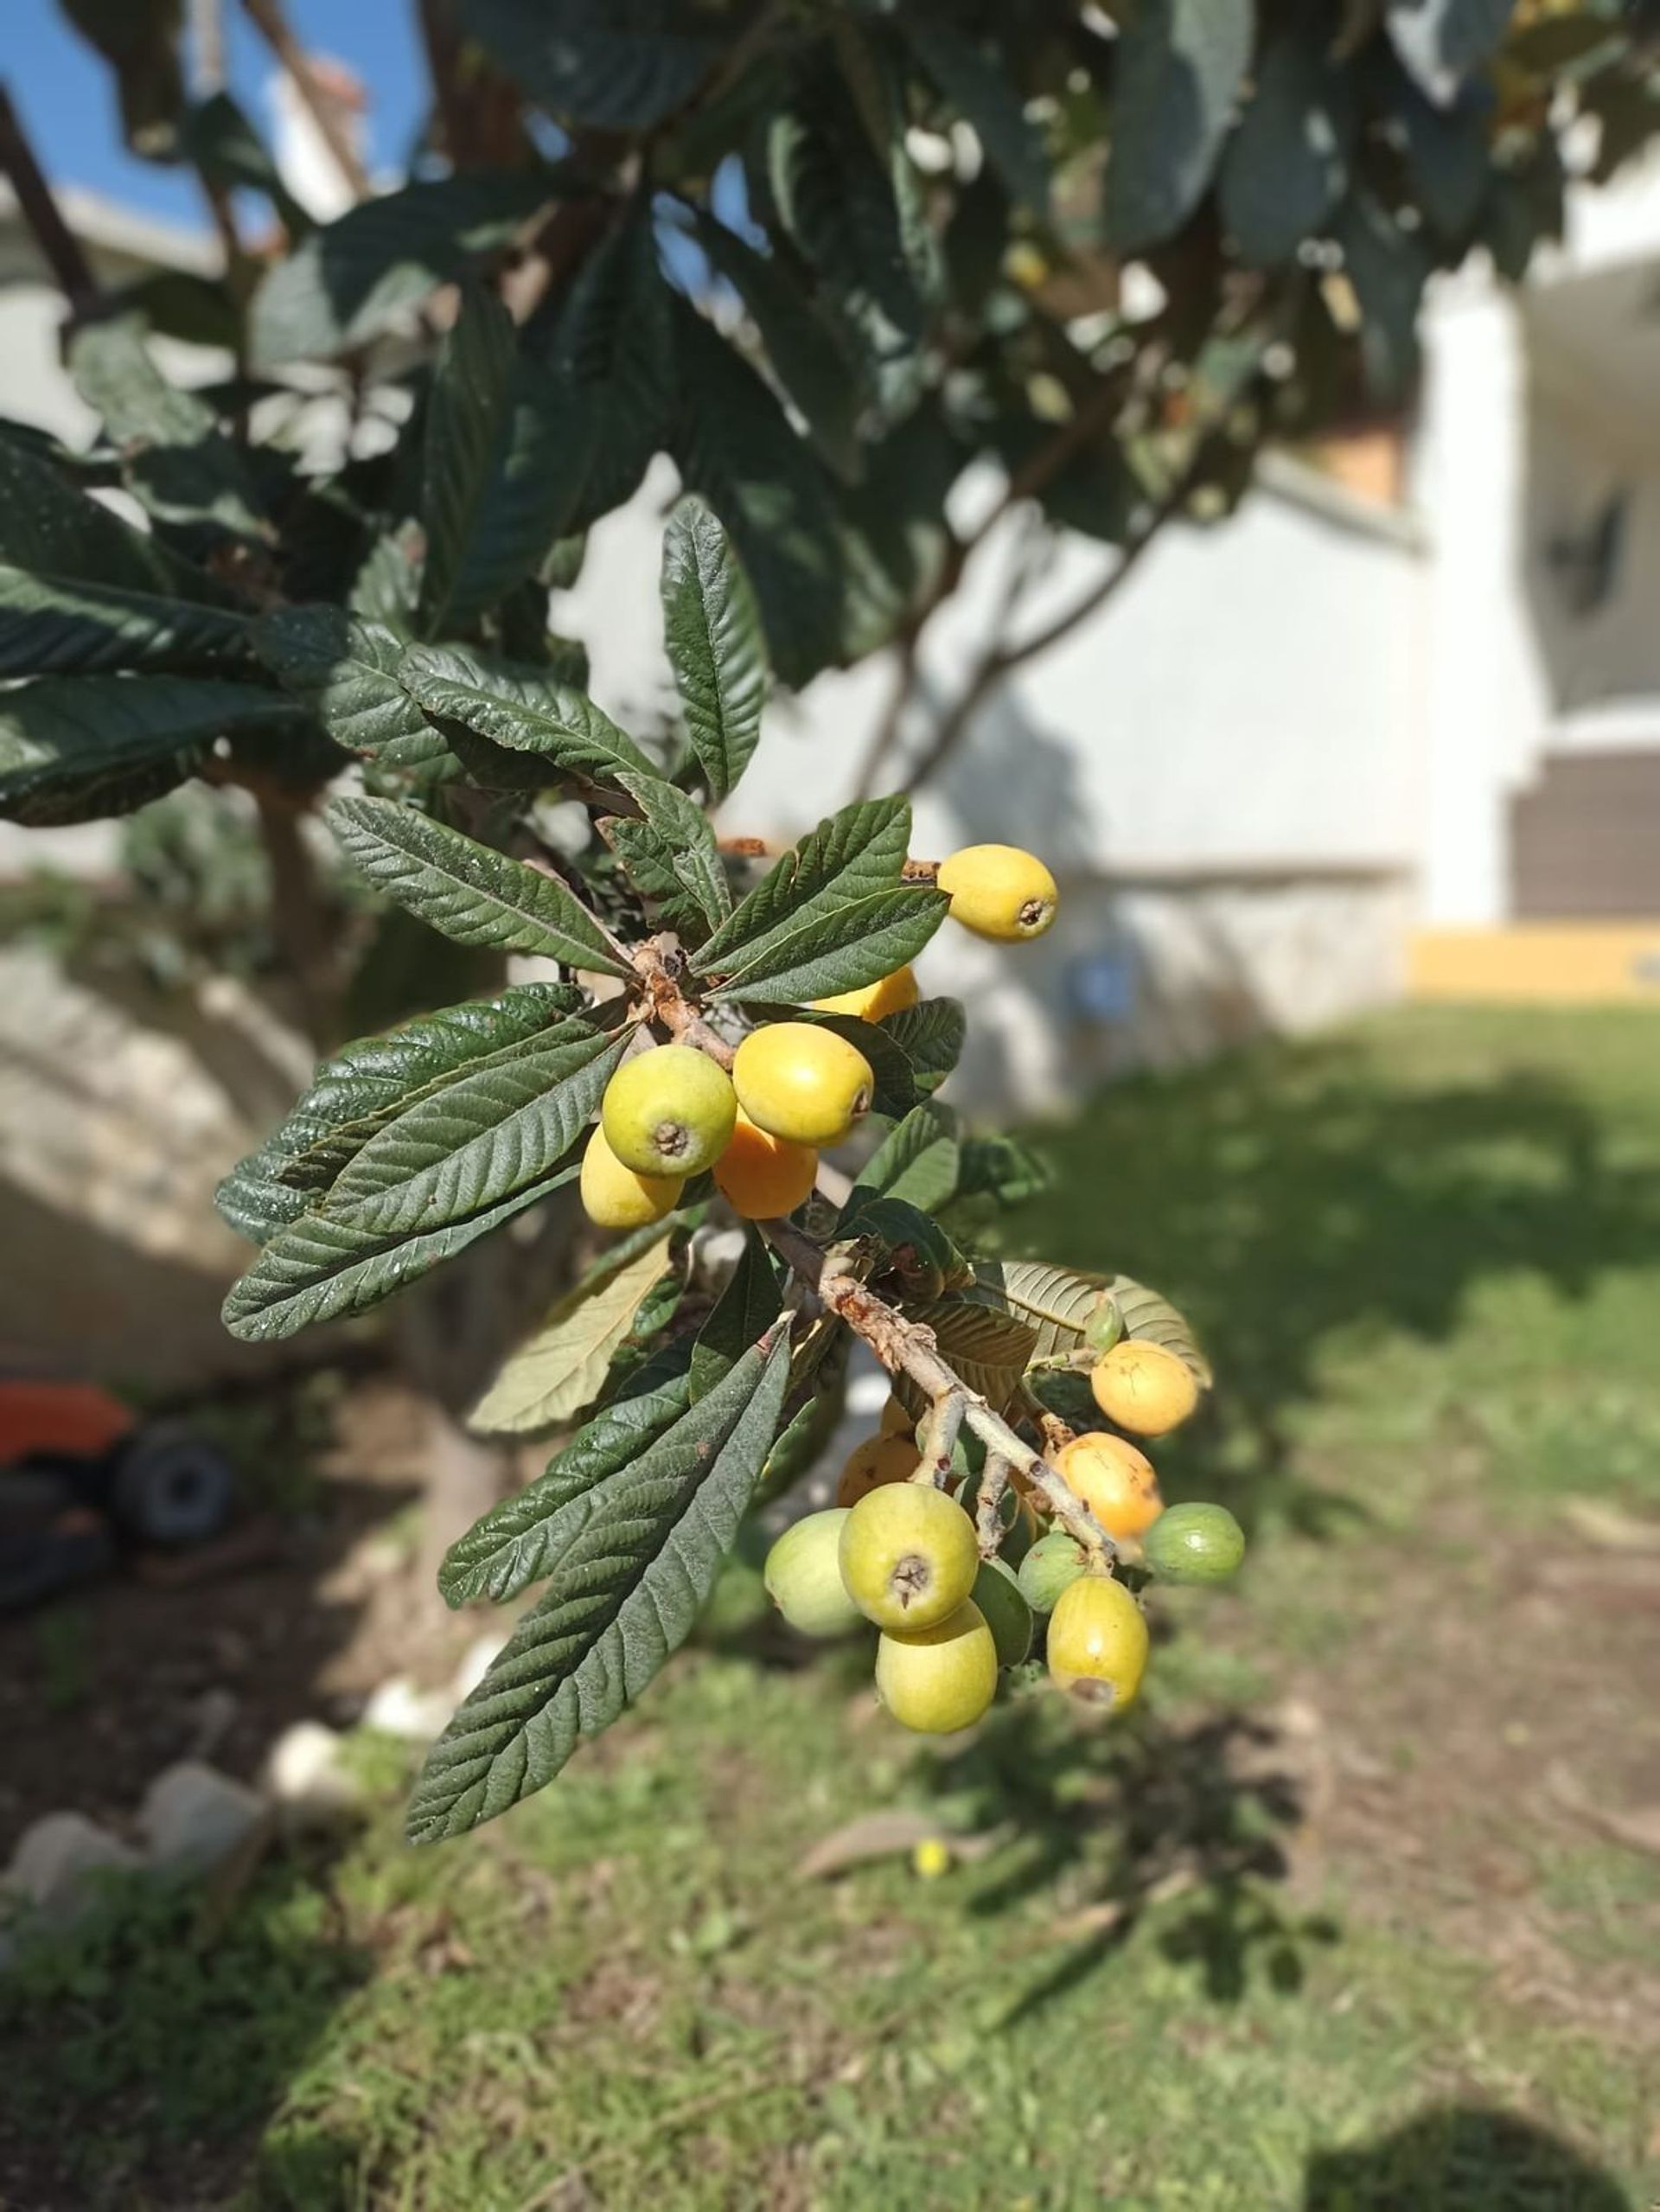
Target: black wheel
(171, 1488)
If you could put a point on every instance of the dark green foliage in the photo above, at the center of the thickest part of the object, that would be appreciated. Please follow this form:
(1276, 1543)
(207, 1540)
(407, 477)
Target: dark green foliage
(824, 259)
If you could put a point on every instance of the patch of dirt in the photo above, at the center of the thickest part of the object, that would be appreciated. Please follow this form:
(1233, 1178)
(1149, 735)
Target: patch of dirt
(296, 1615)
(1455, 1756)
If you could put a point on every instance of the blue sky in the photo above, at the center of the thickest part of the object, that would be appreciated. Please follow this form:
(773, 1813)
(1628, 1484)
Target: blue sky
(66, 95)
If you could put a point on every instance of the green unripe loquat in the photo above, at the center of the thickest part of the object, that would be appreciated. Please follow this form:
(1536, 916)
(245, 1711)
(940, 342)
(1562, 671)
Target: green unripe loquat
(1104, 1324)
(1054, 1563)
(1005, 1610)
(1194, 1544)
(803, 1576)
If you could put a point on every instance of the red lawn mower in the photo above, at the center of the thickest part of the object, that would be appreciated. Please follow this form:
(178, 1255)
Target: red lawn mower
(82, 1476)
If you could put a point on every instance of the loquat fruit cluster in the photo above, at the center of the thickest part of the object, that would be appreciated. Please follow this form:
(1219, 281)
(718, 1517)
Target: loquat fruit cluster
(795, 1088)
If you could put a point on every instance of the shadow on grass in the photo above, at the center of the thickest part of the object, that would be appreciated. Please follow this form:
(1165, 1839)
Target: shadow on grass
(1461, 2159)
(142, 2053)
(1294, 1190)
(1185, 1820)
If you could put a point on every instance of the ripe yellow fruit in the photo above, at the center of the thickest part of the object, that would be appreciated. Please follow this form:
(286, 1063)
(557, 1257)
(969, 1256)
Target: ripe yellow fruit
(669, 1111)
(909, 1556)
(891, 995)
(878, 1461)
(940, 1678)
(1113, 1479)
(802, 1082)
(1098, 1642)
(1146, 1388)
(615, 1197)
(895, 1420)
(763, 1177)
(1001, 891)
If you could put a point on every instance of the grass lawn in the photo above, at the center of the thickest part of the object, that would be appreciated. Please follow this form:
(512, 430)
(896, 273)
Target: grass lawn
(1352, 1917)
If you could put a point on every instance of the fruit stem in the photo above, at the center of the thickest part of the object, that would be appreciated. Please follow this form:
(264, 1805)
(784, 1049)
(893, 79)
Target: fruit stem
(939, 1440)
(989, 1515)
(659, 964)
(906, 1347)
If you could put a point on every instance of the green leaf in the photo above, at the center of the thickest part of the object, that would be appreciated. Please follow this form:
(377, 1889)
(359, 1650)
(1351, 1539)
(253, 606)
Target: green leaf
(318, 1270)
(1443, 41)
(1286, 166)
(613, 381)
(675, 845)
(1178, 66)
(1446, 154)
(637, 1557)
(50, 528)
(466, 415)
(744, 1311)
(369, 1082)
(836, 204)
(225, 146)
(464, 888)
(508, 1549)
(1002, 1169)
(538, 466)
(562, 1366)
(860, 850)
(931, 1035)
(733, 445)
(139, 39)
(807, 350)
(991, 1350)
(54, 625)
(175, 459)
(345, 671)
(73, 748)
(1388, 268)
(353, 280)
(805, 1437)
(613, 65)
(480, 1138)
(916, 1162)
(1149, 1316)
(713, 631)
(840, 950)
(1054, 1302)
(977, 86)
(252, 1200)
(524, 709)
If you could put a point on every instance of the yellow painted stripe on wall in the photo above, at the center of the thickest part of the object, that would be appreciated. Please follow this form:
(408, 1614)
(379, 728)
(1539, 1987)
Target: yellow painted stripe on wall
(1560, 961)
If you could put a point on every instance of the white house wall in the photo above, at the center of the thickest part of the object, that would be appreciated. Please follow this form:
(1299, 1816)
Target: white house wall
(1220, 768)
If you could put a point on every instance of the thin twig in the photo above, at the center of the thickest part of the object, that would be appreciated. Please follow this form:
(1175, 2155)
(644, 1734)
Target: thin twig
(60, 247)
(906, 1347)
(1001, 661)
(988, 1506)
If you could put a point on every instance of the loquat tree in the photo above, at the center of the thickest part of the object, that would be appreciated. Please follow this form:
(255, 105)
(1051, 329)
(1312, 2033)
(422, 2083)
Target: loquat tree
(827, 256)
